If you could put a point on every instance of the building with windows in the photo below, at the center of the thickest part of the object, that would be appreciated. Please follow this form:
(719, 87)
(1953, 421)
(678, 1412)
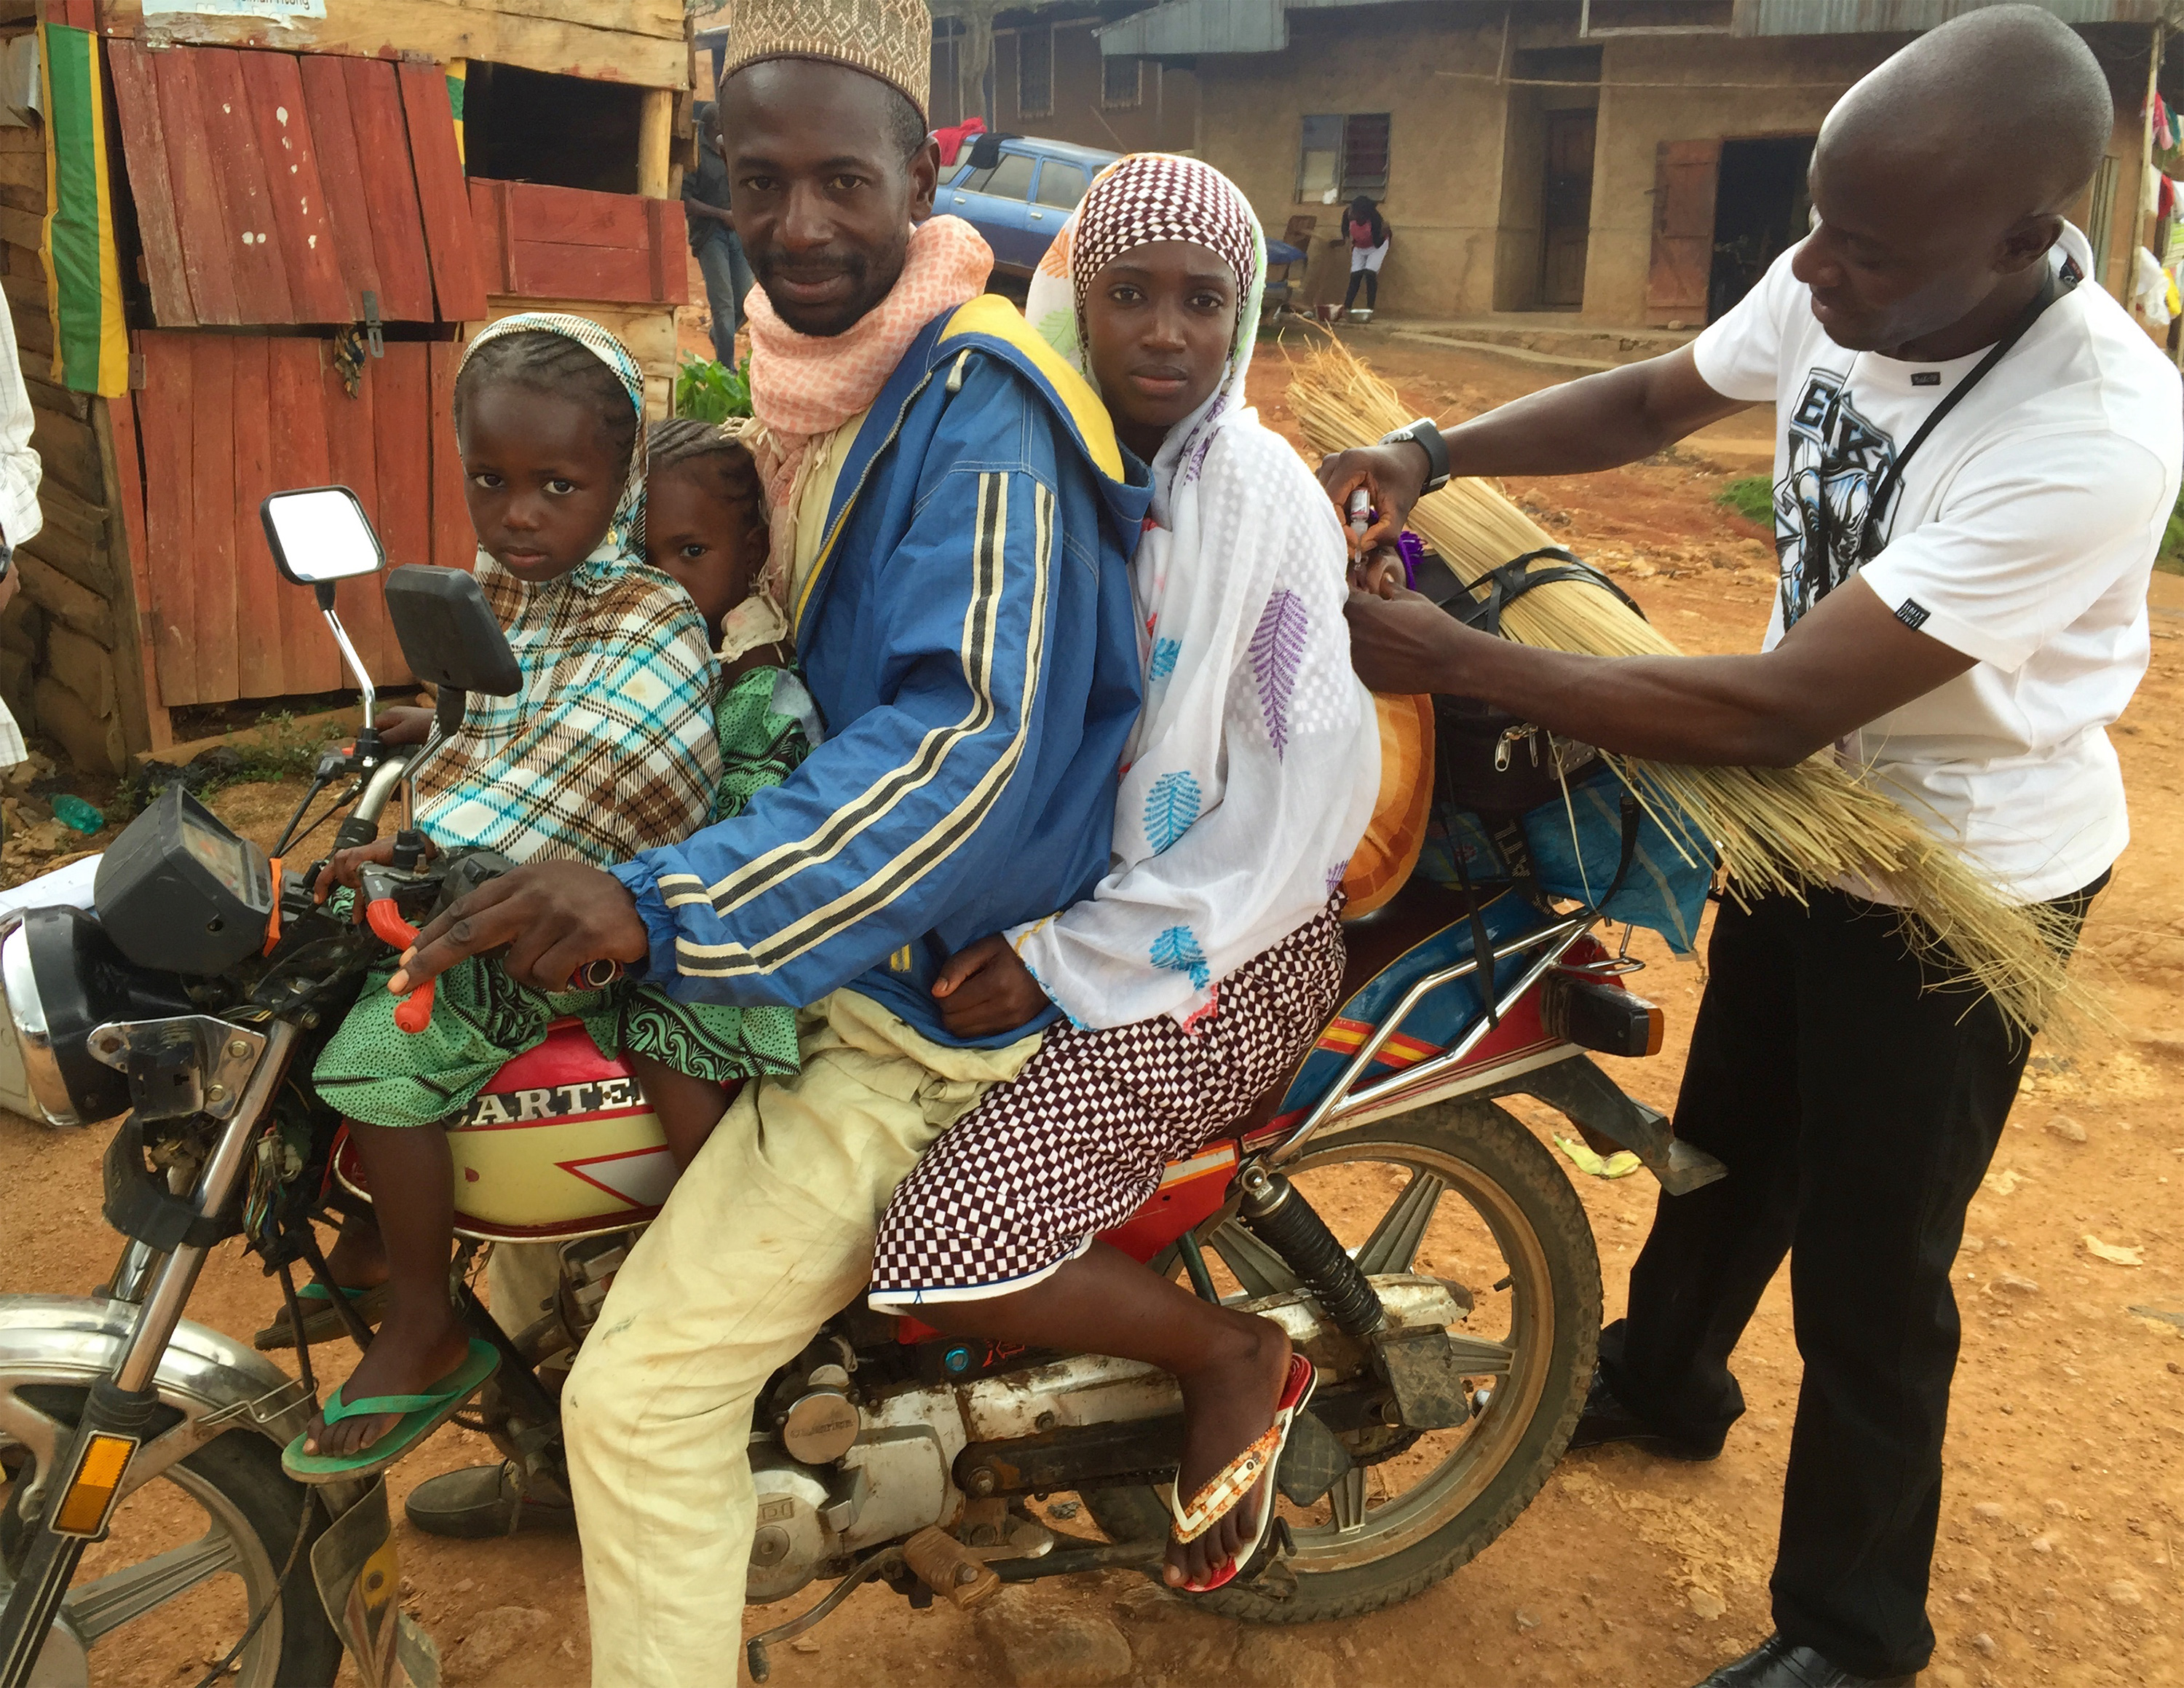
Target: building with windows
(1631, 162)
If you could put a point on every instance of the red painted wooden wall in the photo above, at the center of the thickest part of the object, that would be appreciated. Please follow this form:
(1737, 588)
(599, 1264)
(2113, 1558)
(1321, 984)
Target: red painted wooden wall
(226, 419)
(541, 241)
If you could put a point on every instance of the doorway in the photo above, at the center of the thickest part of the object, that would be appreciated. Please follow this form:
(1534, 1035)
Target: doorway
(1566, 208)
(1761, 209)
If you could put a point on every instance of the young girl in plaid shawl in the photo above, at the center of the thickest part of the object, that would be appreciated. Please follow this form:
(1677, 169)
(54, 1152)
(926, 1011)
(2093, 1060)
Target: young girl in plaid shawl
(611, 745)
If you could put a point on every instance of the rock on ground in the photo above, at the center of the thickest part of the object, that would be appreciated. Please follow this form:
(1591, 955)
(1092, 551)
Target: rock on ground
(492, 1637)
(1047, 1644)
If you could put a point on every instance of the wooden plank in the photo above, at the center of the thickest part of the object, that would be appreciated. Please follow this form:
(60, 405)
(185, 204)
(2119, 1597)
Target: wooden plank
(20, 137)
(167, 583)
(439, 31)
(341, 178)
(1685, 173)
(662, 18)
(144, 152)
(490, 220)
(655, 142)
(668, 234)
(352, 460)
(54, 592)
(572, 216)
(145, 723)
(223, 370)
(305, 233)
(68, 452)
(208, 257)
(35, 334)
(85, 561)
(402, 431)
(458, 285)
(390, 191)
(24, 170)
(261, 274)
(454, 542)
(26, 229)
(78, 517)
(58, 399)
(27, 291)
(596, 272)
(312, 662)
(260, 595)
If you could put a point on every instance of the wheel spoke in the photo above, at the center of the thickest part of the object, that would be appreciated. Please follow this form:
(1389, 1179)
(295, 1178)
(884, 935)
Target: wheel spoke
(1258, 1268)
(1347, 1501)
(128, 1593)
(1394, 1244)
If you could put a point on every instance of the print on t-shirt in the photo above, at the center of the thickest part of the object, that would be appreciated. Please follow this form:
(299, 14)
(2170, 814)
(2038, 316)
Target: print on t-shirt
(1821, 503)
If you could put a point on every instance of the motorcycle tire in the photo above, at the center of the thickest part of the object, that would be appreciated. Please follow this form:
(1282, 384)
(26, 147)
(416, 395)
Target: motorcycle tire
(1492, 1157)
(238, 1480)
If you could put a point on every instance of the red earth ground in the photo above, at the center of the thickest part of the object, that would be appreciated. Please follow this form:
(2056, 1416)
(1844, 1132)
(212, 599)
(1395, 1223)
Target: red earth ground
(2064, 1505)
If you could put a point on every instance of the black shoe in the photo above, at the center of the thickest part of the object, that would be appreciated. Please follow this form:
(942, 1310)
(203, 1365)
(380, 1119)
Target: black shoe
(482, 1501)
(1605, 1419)
(1774, 1663)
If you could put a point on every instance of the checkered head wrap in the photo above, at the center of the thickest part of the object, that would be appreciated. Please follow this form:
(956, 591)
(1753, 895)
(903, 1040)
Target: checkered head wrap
(625, 537)
(1136, 201)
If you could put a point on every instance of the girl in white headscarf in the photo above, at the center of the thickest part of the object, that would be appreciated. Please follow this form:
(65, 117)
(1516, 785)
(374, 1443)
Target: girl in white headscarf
(1206, 963)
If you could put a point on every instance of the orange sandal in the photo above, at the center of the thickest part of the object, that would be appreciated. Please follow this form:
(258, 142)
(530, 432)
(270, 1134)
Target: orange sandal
(1231, 1485)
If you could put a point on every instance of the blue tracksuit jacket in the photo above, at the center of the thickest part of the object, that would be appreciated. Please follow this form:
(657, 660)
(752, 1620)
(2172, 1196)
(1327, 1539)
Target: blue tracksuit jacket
(968, 636)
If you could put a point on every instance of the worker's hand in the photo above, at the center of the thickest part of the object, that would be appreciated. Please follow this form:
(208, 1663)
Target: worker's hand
(553, 917)
(345, 867)
(1403, 644)
(1392, 476)
(985, 990)
(1379, 574)
(402, 723)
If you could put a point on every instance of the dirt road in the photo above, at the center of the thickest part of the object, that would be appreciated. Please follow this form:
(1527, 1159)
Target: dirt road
(2065, 1508)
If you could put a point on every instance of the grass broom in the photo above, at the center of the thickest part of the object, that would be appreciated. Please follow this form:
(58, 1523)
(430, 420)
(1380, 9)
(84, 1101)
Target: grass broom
(1776, 831)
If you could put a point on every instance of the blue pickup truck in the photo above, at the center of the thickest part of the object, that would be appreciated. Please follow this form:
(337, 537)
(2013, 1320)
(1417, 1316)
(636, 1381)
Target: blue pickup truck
(1018, 191)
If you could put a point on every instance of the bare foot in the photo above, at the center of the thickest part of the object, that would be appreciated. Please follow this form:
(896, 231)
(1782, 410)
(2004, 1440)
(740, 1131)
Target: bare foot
(1228, 1403)
(409, 1353)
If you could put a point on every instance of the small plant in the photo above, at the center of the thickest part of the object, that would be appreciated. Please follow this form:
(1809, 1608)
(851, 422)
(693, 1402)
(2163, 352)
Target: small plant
(1752, 497)
(712, 392)
(2171, 558)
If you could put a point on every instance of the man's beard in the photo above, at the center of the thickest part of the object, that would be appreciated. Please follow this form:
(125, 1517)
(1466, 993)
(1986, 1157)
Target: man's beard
(871, 277)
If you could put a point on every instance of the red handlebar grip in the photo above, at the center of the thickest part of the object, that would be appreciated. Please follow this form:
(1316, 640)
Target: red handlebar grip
(414, 1013)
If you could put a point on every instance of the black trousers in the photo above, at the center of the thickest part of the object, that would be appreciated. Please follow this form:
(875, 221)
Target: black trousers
(1856, 1114)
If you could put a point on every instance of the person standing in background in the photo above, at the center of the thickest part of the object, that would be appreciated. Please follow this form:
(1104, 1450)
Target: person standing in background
(21, 518)
(713, 240)
(1366, 232)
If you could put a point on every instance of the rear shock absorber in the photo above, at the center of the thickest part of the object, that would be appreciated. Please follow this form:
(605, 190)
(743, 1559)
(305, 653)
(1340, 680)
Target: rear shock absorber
(1285, 1222)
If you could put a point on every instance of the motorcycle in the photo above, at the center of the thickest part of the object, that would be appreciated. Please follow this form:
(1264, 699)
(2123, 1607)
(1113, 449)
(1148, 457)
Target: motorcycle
(1413, 1237)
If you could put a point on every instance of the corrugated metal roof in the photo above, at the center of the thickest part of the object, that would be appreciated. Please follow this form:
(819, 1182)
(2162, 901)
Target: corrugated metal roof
(1188, 26)
(1902, 17)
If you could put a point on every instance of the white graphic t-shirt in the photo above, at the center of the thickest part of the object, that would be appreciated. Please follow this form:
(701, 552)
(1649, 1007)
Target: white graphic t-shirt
(2021, 533)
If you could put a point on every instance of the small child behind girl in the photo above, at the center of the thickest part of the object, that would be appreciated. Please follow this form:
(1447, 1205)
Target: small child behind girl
(610, 748)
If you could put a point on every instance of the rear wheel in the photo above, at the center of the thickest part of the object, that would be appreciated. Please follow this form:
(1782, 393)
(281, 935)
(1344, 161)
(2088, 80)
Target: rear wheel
(203, 1543)
(1462, 1191)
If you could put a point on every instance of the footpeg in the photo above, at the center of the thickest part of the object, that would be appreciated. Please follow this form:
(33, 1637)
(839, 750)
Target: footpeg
(948, 1567)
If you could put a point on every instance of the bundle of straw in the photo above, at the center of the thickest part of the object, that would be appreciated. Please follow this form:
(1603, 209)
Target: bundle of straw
(1776, 831)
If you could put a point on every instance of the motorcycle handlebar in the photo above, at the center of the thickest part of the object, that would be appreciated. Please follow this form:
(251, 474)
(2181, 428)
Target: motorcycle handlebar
(415, 1011)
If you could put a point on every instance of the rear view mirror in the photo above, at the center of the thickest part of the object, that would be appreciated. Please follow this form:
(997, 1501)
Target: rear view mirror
(449, 636)
(320, 535)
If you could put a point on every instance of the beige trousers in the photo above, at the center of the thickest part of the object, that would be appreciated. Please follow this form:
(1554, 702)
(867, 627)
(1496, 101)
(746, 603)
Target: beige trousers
(767, 1235)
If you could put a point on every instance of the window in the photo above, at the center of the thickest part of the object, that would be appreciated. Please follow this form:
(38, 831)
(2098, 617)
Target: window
(1035, 70)
(1010, 179)
(1122, 82)
(947, 102)
(1343, 155)
(1061, 184)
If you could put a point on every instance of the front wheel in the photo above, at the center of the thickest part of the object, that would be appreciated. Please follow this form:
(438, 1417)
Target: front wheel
(1459, 1191)
(203, 1545)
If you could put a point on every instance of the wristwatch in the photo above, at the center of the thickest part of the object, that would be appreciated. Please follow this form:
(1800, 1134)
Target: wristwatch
(1425, 434)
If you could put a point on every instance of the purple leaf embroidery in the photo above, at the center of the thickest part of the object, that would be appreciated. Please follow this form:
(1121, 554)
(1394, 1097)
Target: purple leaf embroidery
(1277, 652)
(1196, 465)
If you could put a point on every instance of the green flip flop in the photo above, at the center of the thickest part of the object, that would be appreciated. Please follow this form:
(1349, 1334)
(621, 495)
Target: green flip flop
(322, 1322)
(420, 1415)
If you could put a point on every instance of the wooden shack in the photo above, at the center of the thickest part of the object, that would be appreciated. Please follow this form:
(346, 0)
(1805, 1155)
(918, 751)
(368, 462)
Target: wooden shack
(261, 232)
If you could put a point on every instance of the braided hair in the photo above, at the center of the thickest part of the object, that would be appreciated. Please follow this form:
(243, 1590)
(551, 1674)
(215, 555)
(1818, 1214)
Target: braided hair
(686, 445)
(544, 362)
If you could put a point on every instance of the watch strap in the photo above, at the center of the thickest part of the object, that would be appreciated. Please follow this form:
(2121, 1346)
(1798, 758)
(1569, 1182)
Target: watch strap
(1425, 433)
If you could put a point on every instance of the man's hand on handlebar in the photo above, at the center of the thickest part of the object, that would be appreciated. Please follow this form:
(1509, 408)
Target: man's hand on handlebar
(1392, 476)
(345, 867)
(553, 917)
(985, 989)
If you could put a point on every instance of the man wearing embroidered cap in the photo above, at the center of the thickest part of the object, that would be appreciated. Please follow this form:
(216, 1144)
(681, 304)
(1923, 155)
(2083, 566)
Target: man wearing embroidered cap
(951, 521)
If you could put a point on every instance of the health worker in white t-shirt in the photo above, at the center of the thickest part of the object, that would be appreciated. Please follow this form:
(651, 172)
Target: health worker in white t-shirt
(1977, 454)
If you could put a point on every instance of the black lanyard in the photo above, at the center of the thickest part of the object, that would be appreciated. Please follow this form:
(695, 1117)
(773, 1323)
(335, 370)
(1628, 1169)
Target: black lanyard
(1884, 488)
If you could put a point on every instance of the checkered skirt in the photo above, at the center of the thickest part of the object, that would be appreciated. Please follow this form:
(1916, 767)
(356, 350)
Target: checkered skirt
(1078, 1142)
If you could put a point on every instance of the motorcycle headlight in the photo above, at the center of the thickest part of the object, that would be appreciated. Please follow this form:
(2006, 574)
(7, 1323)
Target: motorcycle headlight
(64, 977)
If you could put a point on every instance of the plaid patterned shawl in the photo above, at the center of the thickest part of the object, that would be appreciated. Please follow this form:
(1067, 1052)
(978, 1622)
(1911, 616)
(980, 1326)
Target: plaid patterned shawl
(609, 748)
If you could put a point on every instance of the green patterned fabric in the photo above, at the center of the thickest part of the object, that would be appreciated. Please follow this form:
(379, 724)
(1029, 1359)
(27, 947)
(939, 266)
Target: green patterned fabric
(374, 1071)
